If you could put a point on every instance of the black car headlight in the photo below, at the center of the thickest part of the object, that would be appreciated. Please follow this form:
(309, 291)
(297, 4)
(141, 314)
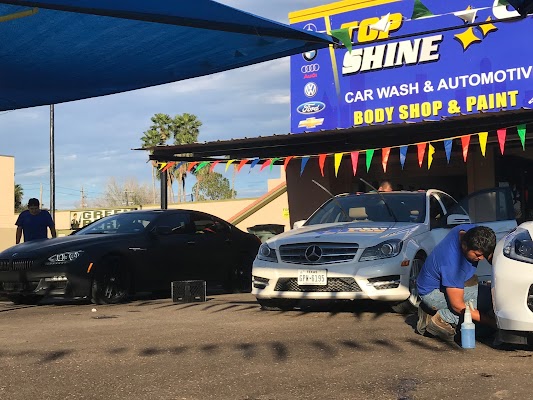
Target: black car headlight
(64, 258)
(387, 249)
(519, 246)
(265, 253)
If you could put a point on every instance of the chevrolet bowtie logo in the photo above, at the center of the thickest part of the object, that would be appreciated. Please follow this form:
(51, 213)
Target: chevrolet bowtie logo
(310, 122)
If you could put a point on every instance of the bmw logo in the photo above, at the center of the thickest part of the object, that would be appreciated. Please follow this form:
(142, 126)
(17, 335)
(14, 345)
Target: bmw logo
(310, 89)
(309, 55)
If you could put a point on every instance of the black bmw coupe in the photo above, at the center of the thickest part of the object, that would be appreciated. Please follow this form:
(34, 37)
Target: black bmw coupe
(127, 253)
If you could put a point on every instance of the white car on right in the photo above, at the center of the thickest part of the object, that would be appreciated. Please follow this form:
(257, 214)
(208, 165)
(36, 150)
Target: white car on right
(512, 285)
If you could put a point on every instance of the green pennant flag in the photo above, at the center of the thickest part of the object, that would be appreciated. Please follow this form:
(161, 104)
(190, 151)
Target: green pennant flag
(273, 161)
(420, 10)
(369, 154)
(201, 165)
(522, 133)
(503, 3)
(343, 35)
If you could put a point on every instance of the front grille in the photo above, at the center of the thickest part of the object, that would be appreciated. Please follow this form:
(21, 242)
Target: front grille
(22, 264)
(318, 253)
(334, 285)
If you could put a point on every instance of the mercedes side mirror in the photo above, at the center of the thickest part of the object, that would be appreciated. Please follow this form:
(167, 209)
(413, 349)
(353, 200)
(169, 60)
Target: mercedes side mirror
(298, 224)
(457, 219)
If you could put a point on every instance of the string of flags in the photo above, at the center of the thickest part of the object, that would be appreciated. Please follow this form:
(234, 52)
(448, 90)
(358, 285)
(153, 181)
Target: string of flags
(421, 148)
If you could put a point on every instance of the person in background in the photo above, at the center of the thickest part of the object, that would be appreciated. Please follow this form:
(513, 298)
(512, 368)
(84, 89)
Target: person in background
(34, 223)
(385, 186)
(448, 280)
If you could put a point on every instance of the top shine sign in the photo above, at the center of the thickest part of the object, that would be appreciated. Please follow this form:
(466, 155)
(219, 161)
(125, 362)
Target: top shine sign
(460, 60)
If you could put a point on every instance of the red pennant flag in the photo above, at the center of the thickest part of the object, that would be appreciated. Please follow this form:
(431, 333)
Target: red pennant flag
(321, 162)
(502, 133)
(212, 167)
(265, 164)
(241, 164)
(355, 158)
(169, 165)
(191, 165)
(286, 162)
(421, 151)
(465, 142)
(385, 152)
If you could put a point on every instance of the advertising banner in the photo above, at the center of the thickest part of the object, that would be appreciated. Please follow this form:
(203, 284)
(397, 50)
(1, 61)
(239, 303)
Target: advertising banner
(81, 218)
(411, 61)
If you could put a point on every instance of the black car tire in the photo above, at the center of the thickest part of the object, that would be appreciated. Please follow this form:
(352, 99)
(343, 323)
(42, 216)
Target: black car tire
(23, 299)
(239, 279)
(111, 282)
(277, 304)
(407, 306)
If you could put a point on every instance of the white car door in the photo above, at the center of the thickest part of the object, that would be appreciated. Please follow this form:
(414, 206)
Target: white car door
(492, 208)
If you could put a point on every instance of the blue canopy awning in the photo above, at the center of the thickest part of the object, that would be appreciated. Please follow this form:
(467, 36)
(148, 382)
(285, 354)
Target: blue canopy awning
(62, 50)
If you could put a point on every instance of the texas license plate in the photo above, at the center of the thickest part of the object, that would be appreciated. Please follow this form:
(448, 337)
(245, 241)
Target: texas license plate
(316, 277)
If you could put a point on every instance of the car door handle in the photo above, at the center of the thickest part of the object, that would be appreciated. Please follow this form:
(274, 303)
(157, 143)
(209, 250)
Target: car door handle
(137, 249)
(191, 242)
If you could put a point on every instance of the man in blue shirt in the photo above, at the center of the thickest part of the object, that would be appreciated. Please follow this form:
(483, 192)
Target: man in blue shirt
(34, 223)
(447, 279)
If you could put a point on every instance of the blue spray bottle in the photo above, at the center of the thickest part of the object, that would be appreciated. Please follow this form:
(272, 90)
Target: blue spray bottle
(468, 330)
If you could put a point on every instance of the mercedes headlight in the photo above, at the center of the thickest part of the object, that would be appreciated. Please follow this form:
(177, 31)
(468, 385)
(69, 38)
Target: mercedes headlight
(387, 249)
(65, 257)
(265, 253)
(519, 246)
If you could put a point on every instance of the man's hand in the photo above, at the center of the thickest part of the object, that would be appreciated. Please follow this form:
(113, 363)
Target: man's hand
(457, 304)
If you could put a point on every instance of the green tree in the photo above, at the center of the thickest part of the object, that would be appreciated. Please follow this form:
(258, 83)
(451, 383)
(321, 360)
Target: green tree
(19, 193)
(212, 186)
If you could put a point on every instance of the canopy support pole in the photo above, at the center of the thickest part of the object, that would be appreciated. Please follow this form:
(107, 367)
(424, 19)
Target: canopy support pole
(164, 195)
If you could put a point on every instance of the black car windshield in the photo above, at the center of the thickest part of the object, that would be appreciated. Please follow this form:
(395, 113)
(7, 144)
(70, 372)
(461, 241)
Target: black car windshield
(369, 207)
(128, 222)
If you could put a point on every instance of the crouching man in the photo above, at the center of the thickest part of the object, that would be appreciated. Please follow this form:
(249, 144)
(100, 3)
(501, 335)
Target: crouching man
(448, 280)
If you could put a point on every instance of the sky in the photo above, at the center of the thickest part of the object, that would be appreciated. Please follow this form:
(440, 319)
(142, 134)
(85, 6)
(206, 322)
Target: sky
(94, 137)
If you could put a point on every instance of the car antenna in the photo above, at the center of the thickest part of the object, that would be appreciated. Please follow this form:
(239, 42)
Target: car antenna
(348, 219)
(382, 198)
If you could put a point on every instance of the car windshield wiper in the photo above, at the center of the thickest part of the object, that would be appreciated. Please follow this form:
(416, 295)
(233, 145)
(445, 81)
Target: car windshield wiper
(382, 198)
(348, 219)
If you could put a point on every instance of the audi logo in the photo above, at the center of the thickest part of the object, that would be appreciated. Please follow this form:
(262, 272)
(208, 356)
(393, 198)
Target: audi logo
(313, 253)
(310, 68)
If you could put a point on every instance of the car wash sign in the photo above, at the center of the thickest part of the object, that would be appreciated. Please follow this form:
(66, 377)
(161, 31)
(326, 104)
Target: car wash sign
(411, 61)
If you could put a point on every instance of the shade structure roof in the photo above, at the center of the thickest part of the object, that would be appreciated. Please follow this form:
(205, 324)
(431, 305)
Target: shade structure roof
(61, 50)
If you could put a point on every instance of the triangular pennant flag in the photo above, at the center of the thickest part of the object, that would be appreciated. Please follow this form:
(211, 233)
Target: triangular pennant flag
(191, 165)
(382, 25)
(169, 165)
(420, 10)
(321, 162)
(254, 163)
(354, 155)
(421, 147)
(385, 152)
(465, 142)
(201, 165)
(212, 167)
(403, 155)
(431, 151)
(502, 133)
(448, 149)
(265, 164)
(241, 164)
(304, 163)
(286, 162)
(273, 161)
(483, 141)
(228, 164)
(369, 154)
(162, 165)
(337, 162)
(468, 15)
(344, 37)
(522, 134)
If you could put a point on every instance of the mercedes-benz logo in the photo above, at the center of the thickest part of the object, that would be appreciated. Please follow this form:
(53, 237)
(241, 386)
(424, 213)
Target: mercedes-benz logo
(313, 253)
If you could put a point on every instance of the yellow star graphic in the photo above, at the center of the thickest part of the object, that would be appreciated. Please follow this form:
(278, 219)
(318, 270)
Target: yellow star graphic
(487, 28)
(467, 38)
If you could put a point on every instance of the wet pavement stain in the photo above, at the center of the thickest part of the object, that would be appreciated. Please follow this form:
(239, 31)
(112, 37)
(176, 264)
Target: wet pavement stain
(404, 388)
(104, 317)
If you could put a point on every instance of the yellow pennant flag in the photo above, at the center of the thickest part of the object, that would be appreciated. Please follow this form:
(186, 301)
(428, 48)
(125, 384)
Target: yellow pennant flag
(162, 165)
(337, 162)
(483, 141)
(430, 155)
(228, 164)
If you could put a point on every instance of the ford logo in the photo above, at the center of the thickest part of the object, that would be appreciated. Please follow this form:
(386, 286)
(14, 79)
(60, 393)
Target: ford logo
(311, 107)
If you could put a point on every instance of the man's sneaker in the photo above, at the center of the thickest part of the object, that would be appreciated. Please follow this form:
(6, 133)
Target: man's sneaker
(440, 328)
(423, 321)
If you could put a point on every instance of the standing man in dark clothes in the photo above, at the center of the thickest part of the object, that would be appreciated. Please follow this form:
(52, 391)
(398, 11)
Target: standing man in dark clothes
(34, 223)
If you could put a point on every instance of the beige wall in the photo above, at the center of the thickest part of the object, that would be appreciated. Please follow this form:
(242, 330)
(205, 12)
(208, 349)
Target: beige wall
(7, 191)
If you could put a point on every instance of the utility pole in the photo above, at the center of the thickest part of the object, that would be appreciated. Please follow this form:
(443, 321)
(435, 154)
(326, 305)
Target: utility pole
(83, 196)
(52, 166)
(41, 195)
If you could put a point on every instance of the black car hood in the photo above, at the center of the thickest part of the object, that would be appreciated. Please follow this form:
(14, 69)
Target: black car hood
(62, 243)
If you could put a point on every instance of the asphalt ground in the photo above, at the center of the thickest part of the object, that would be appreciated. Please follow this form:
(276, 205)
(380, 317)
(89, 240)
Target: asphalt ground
(227, 348)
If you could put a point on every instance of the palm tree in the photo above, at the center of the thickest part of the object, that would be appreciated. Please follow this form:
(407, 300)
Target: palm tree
(19, 193)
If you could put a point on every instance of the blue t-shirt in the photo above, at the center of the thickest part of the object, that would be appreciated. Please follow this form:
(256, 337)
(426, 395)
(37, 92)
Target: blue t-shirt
(446, 266)
(35, 226)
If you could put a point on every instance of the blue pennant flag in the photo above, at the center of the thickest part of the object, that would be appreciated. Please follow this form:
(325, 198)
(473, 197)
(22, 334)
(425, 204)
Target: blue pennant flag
(403, 155)
(254, 163)
(448, 149)
(304, 163)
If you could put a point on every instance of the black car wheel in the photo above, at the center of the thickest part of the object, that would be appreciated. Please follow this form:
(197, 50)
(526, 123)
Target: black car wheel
(410, 306)
(23, 299)
(111, 282)
(239, 278)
